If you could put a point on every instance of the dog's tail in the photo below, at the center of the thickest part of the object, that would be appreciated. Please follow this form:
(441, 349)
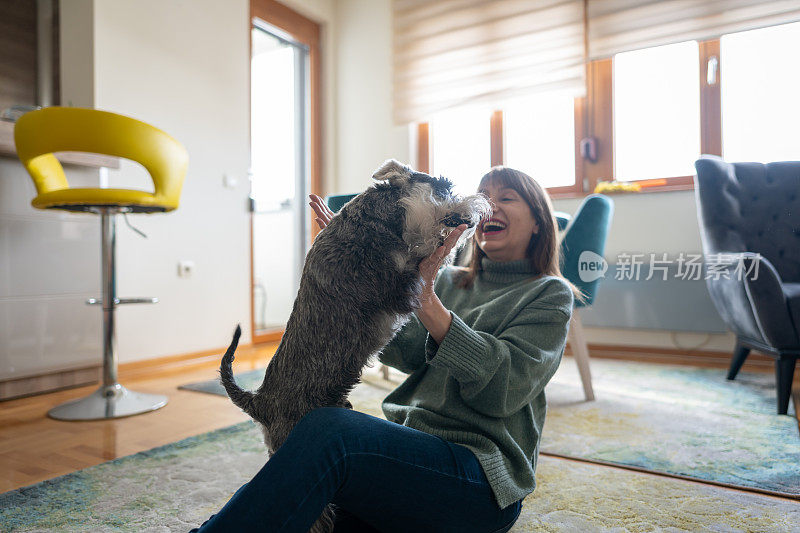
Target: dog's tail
(241, 398)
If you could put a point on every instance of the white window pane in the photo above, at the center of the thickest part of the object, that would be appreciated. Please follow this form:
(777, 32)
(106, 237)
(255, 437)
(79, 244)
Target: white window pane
(540, 138)
(760, 90)
(656, 112)
(272, 154)
(461, 147)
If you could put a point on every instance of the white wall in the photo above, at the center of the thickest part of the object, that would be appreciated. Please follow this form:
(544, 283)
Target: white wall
(182, 66)
(664, 222)
(649, 222)
(366, 135)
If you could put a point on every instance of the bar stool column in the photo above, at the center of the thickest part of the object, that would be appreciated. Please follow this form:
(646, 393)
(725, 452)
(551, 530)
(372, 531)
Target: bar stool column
(108, 230)
(111, 400)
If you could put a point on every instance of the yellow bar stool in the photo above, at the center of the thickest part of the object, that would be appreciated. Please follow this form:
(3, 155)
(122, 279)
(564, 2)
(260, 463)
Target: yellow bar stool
(61, 129)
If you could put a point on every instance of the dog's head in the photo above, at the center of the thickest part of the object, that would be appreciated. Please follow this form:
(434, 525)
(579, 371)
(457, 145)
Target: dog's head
(430, 207)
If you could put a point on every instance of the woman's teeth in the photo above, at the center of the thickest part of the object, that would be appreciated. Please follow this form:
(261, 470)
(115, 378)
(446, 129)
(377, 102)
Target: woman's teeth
(493, 227)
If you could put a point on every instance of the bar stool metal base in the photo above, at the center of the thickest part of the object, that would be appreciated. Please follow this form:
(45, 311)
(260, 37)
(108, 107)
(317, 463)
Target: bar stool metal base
(112, 401)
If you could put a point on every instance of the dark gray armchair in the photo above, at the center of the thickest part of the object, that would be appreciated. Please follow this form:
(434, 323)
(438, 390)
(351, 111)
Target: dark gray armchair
(748, 213)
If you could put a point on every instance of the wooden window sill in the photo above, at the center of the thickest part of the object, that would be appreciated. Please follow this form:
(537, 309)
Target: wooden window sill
(9, 149)
(648, 190)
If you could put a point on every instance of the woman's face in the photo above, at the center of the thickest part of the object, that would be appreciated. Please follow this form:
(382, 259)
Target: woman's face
(506, 234)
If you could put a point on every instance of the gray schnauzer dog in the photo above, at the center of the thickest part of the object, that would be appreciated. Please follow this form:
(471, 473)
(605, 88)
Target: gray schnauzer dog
(360, 285)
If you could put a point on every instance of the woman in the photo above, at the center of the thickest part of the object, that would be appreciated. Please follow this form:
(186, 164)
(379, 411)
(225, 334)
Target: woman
(459, 447)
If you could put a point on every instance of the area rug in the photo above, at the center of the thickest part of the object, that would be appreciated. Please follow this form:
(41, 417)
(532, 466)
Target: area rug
(177, 486)
(678, 420)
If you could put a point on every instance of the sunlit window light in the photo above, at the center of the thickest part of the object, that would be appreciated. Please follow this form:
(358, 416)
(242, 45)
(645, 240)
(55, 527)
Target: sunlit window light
(760, 77)
(461, 146)
(540, 138)
(656, 112)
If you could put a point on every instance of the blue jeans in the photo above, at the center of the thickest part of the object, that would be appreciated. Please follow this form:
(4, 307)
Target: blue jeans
(382, 476)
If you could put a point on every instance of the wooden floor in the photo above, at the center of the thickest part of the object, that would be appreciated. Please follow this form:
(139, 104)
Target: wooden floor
(34, 447)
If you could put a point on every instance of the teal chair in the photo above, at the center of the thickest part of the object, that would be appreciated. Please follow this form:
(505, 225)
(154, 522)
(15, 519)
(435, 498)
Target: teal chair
(582, 248)
(562, 219)
(337, 201)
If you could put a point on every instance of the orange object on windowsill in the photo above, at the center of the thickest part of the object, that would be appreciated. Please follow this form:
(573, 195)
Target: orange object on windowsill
(652, 183)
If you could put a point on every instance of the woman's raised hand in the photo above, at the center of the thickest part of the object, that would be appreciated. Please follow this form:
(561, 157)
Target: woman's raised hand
(324, 214)
(429, 266)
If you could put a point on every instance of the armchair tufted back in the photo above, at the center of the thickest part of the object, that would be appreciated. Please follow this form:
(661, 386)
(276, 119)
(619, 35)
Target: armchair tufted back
(751, 207)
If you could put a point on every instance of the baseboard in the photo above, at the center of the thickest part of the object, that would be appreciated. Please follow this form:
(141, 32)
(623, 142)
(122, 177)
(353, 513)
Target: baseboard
(755, 362)
(64, 379)
(175, 363)
(15, 388)
(77, 377)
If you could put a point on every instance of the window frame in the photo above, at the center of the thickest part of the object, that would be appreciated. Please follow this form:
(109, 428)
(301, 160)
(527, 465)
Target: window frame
(309, 33)
(594, 117)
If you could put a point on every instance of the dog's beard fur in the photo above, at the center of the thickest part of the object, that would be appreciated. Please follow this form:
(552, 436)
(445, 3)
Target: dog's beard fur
(360, 285)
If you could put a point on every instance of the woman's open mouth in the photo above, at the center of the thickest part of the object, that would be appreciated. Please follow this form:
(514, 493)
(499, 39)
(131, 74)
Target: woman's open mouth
(492, 227)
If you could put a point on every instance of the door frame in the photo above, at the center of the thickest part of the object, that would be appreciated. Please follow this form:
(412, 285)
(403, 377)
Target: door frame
(306, 32)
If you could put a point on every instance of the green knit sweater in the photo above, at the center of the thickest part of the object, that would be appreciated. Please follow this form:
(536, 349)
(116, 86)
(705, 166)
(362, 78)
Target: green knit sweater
(483, 386)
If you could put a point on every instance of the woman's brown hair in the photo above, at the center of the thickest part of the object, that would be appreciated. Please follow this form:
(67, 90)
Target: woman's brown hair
(544, 248)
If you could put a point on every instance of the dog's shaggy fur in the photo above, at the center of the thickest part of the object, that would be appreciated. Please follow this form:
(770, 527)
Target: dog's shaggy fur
(360, 285)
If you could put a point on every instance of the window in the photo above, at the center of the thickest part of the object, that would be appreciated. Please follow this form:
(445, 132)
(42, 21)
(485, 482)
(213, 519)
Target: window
(760, 105)
(539, 134)
(651, 113)
(461, 147)
(656, 112)
(536, 134)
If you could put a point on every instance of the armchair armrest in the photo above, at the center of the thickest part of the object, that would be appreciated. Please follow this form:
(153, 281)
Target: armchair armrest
(746, 290)
(769, 302)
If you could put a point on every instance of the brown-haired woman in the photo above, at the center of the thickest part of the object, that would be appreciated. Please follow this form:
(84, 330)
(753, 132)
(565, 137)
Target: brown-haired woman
(479, 353)
(459, 447)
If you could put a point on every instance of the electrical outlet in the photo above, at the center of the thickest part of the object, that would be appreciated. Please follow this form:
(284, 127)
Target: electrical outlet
(185, 269)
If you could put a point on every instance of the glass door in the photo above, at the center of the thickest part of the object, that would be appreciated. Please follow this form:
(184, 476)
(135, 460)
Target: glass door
(279, 176)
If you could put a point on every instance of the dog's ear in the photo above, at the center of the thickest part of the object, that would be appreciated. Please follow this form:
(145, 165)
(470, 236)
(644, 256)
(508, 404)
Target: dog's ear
(392, 170)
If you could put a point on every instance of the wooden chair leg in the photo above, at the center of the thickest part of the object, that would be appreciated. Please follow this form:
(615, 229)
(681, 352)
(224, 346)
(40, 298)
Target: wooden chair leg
(385, 372)
(739, 355)
(784, 373)
(577, 341)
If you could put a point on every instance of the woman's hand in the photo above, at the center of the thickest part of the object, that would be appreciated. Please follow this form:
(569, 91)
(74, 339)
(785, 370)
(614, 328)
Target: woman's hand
(430, 266)
(324, 214)
(433, 314)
